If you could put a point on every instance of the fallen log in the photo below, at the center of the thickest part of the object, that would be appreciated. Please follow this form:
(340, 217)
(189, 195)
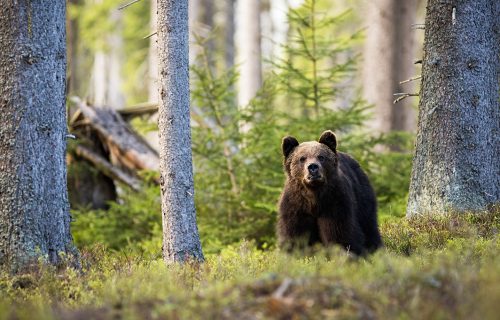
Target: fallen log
(125, 146)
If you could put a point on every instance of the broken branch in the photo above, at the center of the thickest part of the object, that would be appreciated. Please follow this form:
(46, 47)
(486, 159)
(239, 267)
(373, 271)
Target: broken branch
(107, 168)
(128, 4)
(411, 79)
(404, 95)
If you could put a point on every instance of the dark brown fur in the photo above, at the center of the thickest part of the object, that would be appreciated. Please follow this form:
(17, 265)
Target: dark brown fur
(327, 198)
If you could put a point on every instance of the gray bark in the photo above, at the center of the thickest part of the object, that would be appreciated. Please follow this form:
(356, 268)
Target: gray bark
(456, 165)
(34, 208)
(180, 232)
(388, 59)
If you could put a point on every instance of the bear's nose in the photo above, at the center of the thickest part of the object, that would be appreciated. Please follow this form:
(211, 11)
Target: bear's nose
(313, 168)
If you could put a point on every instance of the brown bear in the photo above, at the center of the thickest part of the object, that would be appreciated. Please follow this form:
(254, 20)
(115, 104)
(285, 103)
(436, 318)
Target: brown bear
(327, 198)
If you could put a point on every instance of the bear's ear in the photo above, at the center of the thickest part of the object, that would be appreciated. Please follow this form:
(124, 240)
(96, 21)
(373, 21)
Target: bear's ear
(289, 143)
(328, 138)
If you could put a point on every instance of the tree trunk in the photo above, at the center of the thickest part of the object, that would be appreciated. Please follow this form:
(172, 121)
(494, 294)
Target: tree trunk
(249, 50)
(194, 28)
(456, 165)
(107, 79)
(388, 59)
(180, 232)
(73, 53)
(34, 208)
(229, 30)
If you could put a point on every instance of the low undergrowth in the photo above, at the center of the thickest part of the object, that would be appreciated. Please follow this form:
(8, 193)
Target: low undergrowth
(431, 268)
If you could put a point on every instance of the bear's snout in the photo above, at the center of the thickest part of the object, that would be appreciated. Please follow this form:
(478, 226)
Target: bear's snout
(313, 175)
(313, 169)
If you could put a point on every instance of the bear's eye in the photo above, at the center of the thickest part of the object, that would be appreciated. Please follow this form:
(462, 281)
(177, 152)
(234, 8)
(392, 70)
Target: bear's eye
(321, 158)
(302, 159)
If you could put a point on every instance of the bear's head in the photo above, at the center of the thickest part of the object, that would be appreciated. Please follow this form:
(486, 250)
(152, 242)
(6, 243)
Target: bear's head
(311, 163)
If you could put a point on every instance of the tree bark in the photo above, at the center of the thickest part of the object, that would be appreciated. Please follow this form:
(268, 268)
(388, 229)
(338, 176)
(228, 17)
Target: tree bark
(180, 232)
(456, 165)
(249, 50)
(388, 59)
(34, 208)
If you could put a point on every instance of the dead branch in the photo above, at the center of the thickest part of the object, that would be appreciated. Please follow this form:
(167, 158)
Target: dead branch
(107, 168)
(411, 79)
(282, 289)
(128, 4)
(404, 95)
(147, 108)
(150, 35)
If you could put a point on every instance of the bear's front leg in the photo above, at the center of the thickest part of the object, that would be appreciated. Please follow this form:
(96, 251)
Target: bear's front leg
(345, 233)
(296, 230)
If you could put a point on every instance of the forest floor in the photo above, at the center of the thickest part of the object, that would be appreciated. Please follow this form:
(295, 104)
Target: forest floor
(433, 268)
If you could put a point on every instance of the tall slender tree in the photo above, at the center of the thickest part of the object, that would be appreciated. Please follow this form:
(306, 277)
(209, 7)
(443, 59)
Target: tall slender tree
(456, 164)
(249, 49)
(107, 75)
(388, 59)
(229, 31)
(34, 208)
(180, 232)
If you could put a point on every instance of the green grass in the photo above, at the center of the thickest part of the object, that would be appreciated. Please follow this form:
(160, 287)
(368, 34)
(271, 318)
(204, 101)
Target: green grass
(431, 268)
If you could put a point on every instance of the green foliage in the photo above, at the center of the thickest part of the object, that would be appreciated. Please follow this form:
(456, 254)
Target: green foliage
(389, 170)
(438, 232)
(459, 279)
(130, 223)
(316, 61)
(237, 150)
(135, 69)
(96, 22)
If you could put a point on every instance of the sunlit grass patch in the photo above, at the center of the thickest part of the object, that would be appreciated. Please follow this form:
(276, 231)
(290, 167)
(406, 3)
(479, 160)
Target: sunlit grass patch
(445, 267)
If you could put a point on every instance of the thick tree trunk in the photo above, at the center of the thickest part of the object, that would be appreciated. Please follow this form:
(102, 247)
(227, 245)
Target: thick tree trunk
(249, 50)
(388, 59)
(456, 165)
(34, 208)
(180, 232)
